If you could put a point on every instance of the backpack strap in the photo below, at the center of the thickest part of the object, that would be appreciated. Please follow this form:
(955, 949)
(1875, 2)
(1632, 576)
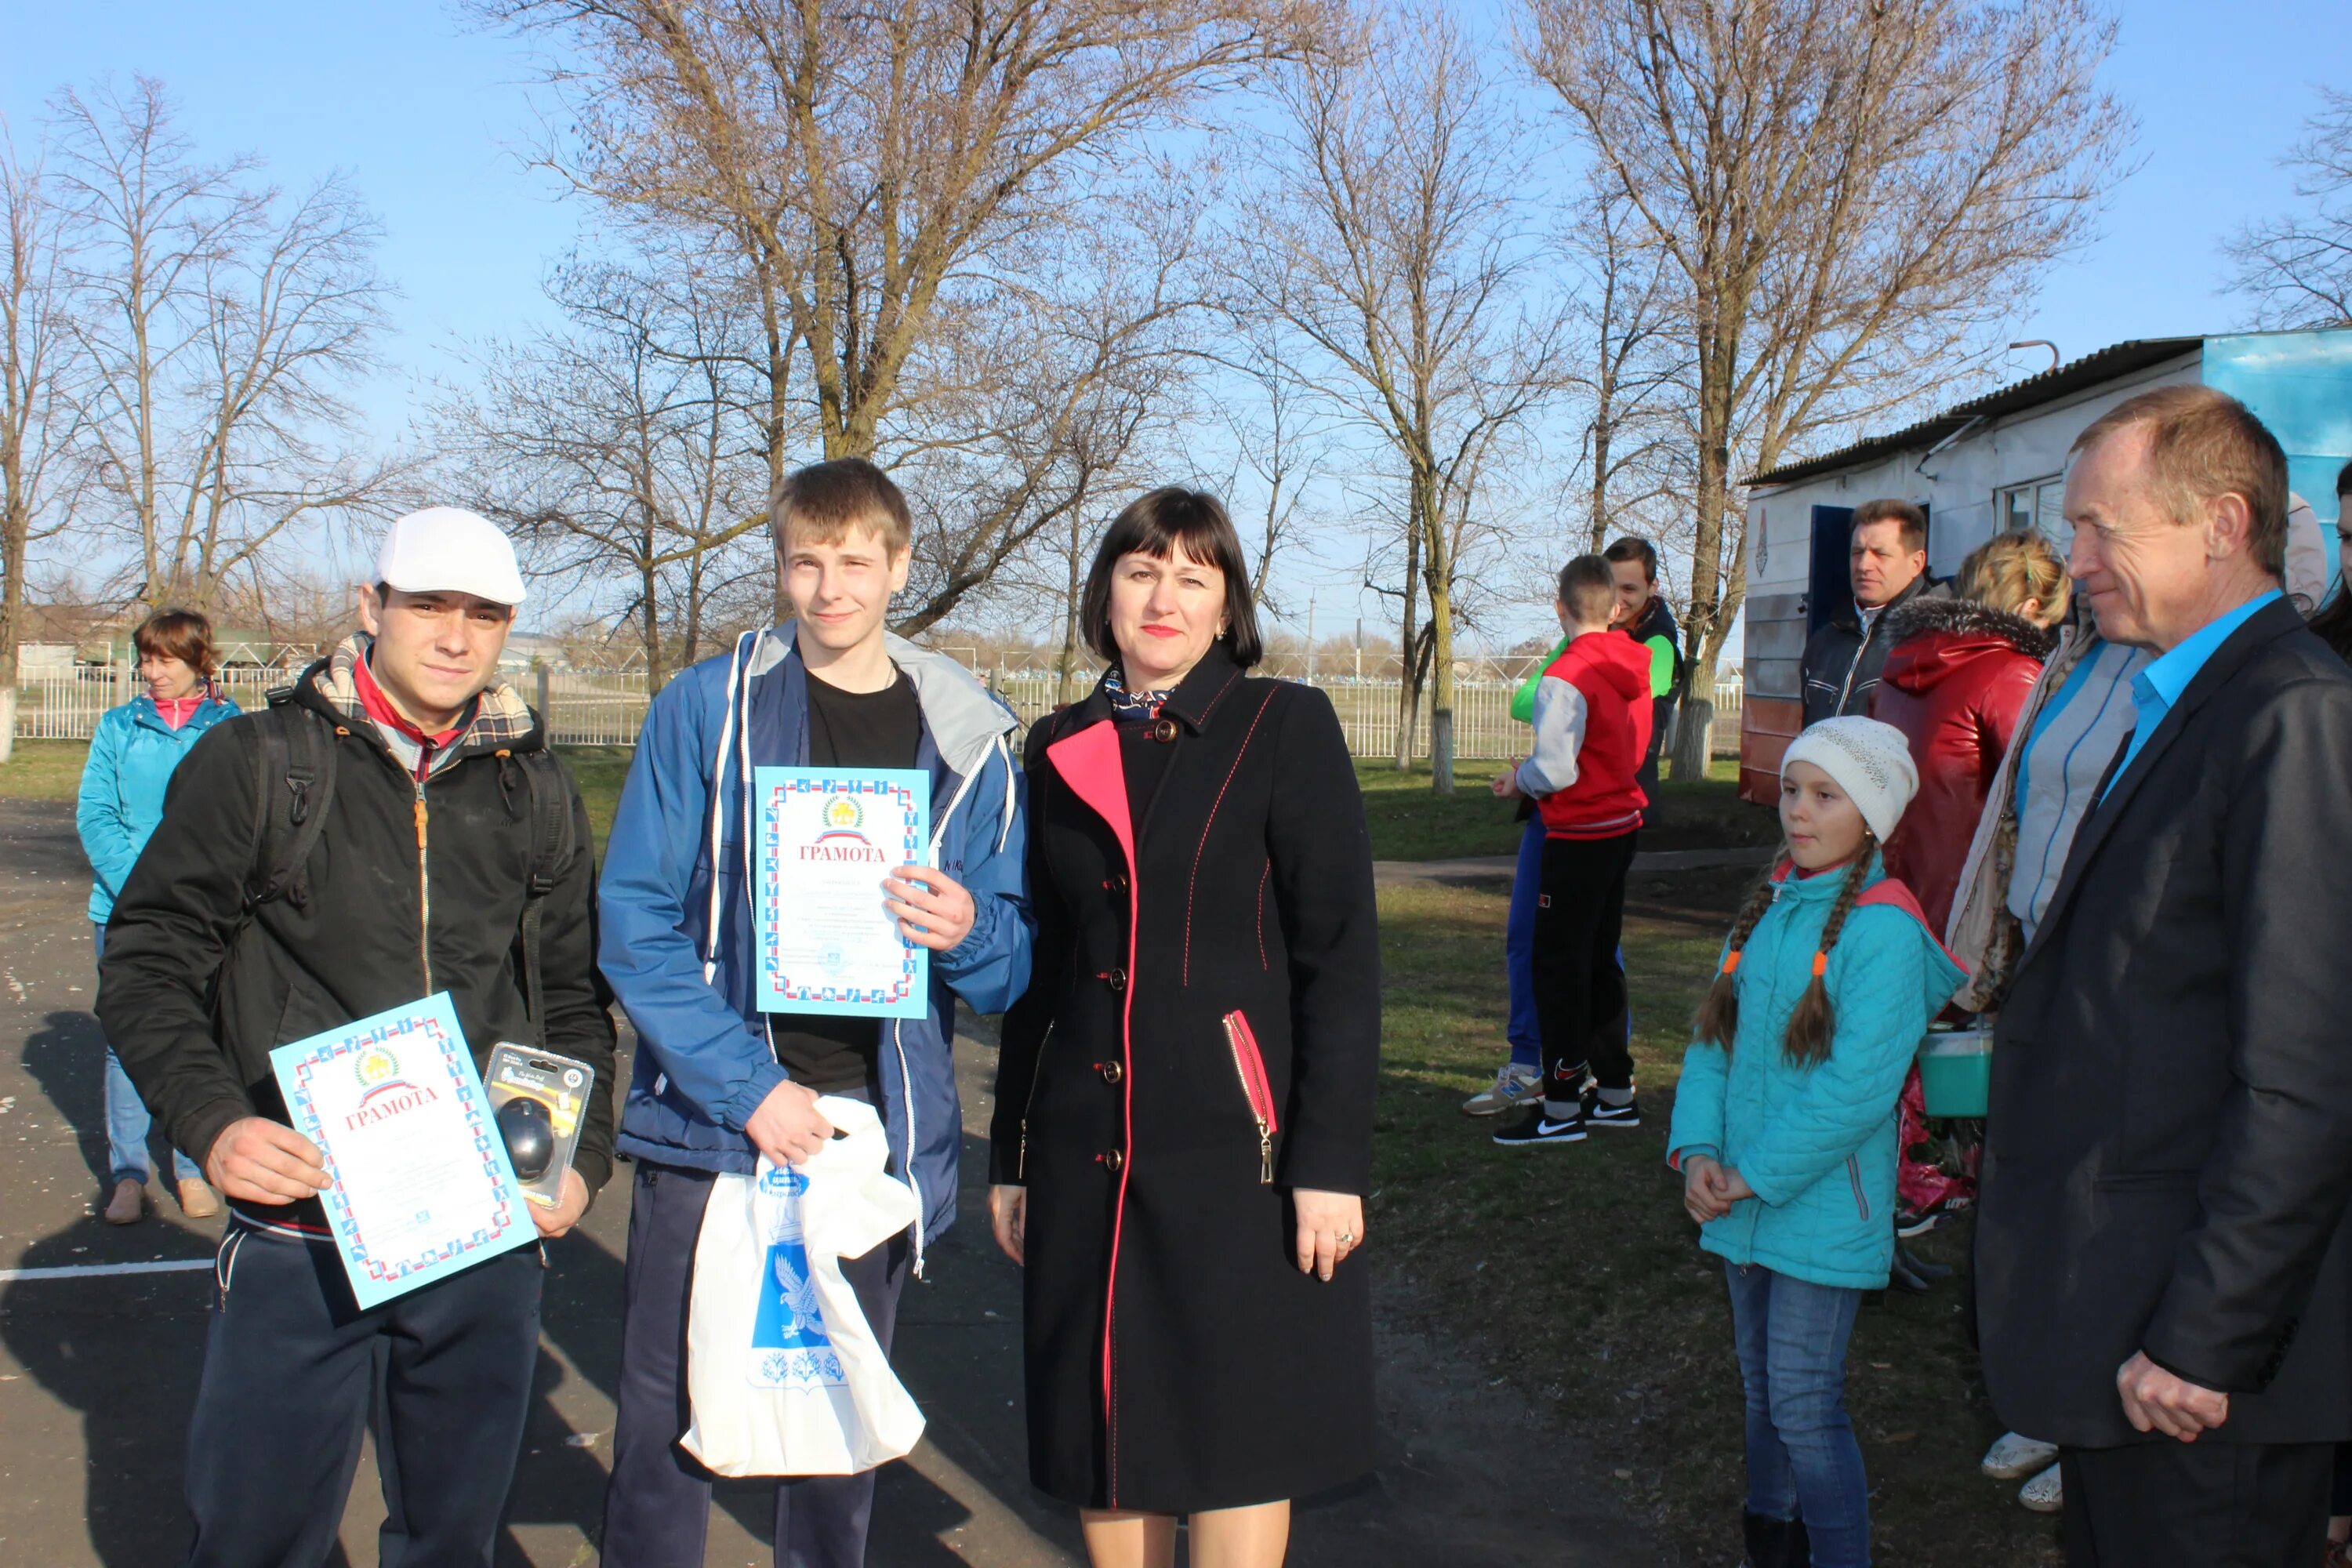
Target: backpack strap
(553, 843)
(294, 785)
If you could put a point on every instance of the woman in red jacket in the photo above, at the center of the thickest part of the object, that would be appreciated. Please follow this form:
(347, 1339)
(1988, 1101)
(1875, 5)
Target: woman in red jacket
(1958, 673)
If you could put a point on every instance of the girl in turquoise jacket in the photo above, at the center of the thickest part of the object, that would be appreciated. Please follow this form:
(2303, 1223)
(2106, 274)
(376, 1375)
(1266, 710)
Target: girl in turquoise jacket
(132, 754)
(1784, 1124)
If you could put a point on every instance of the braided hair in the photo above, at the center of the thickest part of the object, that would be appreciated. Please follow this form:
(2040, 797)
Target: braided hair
(1813, 1022)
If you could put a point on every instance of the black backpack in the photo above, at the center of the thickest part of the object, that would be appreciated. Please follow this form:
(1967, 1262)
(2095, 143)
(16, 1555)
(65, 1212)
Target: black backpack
(297, 752)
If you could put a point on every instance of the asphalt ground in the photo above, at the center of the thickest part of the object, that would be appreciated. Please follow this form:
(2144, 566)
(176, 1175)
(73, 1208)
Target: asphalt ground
(98, 1371)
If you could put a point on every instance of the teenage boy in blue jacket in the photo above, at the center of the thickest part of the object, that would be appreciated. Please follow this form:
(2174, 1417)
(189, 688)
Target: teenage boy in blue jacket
(716, 1082)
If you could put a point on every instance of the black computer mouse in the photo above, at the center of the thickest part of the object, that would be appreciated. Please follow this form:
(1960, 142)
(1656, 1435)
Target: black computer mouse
(530, 1136)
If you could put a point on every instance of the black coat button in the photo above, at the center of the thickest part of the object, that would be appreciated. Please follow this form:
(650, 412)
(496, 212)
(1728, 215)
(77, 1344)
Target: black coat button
(1113, 1161)
(1164, 731)
(1118, 979)
(1111, 1071)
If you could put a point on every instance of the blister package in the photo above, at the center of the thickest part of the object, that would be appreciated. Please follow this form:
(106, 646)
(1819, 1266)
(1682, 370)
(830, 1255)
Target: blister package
(539, 1100)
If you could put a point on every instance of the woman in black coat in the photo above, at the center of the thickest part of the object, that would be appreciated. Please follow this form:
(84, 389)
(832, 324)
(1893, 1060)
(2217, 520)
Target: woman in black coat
(1183, 1123)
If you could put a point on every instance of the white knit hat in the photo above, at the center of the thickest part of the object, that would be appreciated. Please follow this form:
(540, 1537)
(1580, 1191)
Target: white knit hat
(1870, 760)
(445, 549)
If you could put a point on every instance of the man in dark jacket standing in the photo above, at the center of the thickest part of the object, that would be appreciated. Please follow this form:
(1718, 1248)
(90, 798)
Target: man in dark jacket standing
(1888, 563)
(2165, 1273)
(415, 882)
(1646, 618)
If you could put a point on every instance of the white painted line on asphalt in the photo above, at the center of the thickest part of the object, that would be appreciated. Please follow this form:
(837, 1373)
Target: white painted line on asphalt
(91, 1270)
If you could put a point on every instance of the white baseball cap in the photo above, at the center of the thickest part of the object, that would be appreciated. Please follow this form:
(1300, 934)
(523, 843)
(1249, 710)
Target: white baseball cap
(448, 550)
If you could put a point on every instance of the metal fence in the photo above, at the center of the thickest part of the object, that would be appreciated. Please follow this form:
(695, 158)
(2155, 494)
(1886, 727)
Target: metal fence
(606, 708)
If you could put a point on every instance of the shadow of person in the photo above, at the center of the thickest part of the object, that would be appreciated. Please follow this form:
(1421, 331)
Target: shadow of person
(123, 1353)
(67, 1057)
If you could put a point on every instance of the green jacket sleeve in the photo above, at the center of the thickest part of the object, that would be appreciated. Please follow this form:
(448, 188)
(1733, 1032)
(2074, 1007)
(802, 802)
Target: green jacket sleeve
(1523, 701)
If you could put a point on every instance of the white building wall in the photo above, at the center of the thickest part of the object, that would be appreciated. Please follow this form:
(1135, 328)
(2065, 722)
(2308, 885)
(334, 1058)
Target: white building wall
(1959, 485)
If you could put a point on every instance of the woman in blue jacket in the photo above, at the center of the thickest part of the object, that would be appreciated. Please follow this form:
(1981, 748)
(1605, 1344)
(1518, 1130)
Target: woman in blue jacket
(1784, 1125)
(132, 753)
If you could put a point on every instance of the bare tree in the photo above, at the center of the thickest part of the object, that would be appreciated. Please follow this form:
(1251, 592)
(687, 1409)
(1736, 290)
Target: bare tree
(1635, 363)
(220, 321)
(2298, 268)
(886, 179)
(625, 447)
(1391, 240)
(36, 409)
(1849, 192)
(1283, 439)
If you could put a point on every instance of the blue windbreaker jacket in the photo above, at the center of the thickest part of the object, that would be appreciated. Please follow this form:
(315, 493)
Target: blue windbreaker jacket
(132, 754)
(679, 852)
(1817, 1143)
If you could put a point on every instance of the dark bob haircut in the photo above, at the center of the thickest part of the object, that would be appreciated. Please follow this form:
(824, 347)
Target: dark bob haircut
(1174, 520)
(183, 635)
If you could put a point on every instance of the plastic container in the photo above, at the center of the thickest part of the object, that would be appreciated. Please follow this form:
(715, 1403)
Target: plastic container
(1955, 1072)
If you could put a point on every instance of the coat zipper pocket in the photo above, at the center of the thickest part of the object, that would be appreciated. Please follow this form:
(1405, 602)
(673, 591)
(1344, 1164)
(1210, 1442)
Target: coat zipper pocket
(1249, 1065)
(1037, 1075)
(1854, 1174)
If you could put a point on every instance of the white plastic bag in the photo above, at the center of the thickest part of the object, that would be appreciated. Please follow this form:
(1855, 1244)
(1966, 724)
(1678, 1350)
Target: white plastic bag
(783, 1372)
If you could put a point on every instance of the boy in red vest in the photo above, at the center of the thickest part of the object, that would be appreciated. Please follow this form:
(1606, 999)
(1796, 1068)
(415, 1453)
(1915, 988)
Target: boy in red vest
(1592, 721)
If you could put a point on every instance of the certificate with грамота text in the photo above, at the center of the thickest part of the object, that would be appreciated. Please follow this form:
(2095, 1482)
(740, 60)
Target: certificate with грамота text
(420, 1183)
(826, 839)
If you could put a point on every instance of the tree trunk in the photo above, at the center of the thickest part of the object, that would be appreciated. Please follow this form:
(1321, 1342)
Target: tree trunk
(657, 671)
(1065, 689)
(12, 618)
(1599, 503)
(1408, 688)
(1441, 630)
(1704, 628)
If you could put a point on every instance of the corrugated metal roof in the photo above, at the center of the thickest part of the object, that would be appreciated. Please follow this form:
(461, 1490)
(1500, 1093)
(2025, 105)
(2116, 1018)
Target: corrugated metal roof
(2123, 358)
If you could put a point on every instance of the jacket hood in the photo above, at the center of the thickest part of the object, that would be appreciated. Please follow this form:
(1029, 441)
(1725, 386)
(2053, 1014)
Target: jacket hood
(1657, 621)
(1620, 663)
(1933, 638)
(501, 718)
(965, 718)
(211, 709)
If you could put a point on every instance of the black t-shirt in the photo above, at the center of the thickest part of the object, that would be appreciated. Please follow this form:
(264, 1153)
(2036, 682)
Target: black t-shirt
(848, 730)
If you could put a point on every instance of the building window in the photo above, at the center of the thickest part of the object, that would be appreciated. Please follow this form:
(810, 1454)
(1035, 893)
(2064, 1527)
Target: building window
(2036, 505)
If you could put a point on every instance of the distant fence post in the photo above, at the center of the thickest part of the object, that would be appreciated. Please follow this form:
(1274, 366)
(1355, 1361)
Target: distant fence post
(546, 713)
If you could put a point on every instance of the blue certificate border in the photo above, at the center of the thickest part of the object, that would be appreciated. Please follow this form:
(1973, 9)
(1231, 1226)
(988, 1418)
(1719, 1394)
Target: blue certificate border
(905, 795)
(428, 1027)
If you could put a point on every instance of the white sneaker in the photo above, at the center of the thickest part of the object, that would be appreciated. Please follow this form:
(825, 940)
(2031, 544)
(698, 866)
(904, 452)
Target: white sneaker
(2045, 1493)
(2015, 1457)
(1514, 1087)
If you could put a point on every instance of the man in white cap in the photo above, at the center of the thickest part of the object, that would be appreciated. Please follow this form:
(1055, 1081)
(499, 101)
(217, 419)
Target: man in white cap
(391, 827)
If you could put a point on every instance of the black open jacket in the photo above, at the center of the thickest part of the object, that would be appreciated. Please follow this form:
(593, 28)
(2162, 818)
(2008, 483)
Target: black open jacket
(361, 942)
(2170, 1143)
(1842, 661)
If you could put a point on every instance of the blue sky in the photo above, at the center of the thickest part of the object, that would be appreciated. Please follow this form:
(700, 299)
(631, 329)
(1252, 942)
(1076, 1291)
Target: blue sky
(430, 120)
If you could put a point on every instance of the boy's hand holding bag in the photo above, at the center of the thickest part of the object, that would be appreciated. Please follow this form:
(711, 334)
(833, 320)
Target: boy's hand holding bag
(783, 1372)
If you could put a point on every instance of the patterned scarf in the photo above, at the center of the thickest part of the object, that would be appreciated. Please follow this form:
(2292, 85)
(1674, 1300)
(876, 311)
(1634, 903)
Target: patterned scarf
(1132, 707)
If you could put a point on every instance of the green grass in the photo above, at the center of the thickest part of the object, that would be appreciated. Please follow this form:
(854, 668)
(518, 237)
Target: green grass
(1576, 1277)
(1411, 822)
(43, 770)
(1408, 821)
(51, 769)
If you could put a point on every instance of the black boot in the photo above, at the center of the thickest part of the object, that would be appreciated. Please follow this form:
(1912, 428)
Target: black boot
(1777, 1543)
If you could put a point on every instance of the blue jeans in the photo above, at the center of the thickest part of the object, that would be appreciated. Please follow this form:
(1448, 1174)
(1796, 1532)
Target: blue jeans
(1803, 1460)
(1519, 952)
(126, 1122)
